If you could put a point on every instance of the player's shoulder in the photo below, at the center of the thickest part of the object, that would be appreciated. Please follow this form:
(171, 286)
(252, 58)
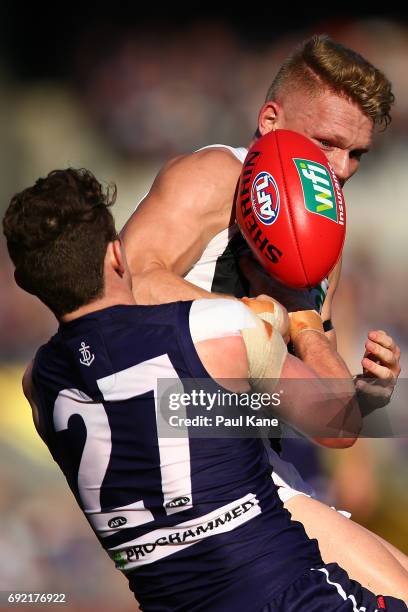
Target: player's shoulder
(48, 357)
(203, 183)
(213, 164)
(230, 156)
(27, 380)
(29, 392)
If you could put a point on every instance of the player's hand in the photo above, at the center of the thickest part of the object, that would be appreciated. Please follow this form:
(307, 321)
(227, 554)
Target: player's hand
(261, 283)
(381, 368)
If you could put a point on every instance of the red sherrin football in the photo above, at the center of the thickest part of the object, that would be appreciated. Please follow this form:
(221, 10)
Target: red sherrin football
(291, 209)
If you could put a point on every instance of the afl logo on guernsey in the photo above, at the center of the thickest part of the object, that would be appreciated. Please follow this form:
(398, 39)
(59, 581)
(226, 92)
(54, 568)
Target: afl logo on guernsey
(265, 198)
(178, 502)
(117, 521)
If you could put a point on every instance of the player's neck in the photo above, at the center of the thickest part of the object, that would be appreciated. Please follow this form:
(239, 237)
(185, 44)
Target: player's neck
(256, 137)
(121, 297)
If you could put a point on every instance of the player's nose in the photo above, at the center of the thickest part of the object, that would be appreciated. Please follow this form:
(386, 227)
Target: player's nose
(340, 162)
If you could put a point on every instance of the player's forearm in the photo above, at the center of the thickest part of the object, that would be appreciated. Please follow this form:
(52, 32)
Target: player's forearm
(317, 351)
(319, 396)
(318, 393)
(161, 286)
(334, 382)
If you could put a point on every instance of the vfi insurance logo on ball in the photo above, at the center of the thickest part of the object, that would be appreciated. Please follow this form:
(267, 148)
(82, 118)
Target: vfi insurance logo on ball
(318, 188)
(265, 198)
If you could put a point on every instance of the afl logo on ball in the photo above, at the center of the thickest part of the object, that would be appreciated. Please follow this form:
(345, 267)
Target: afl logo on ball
(265, 198)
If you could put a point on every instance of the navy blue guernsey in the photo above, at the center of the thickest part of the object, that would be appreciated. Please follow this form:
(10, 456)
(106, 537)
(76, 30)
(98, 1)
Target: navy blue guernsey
(195, 524)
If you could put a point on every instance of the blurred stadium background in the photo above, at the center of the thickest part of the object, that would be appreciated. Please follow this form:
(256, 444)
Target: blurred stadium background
(119, 91)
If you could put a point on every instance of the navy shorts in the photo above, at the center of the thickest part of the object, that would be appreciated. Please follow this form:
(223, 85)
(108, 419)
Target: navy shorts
(329, 589)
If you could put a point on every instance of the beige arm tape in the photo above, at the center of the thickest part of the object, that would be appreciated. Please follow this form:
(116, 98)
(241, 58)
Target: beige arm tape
(266, 352)
(269, 310)
(304, 320)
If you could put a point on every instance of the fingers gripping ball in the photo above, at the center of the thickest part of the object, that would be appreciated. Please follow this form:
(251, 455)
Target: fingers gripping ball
(291, 209)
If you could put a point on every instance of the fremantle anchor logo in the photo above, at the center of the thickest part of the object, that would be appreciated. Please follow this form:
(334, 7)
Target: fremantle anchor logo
(87, 357)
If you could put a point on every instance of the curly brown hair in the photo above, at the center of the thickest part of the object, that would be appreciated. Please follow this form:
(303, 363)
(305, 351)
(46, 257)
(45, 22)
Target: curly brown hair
(321, 62)
(57, 234)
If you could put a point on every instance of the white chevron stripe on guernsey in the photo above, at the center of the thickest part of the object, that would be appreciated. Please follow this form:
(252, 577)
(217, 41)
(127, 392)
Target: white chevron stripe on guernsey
(167, 541)
(341, 591)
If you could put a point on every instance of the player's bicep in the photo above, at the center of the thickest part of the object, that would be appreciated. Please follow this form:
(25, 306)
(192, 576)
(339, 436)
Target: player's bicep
(173, 224)
(230, 336)
(226, 362)
(162, 233)
(215, 328)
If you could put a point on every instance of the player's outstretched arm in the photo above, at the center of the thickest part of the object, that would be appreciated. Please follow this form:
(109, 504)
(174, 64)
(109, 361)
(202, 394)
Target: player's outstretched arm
(326, 392)
(331, 365)
(380, 362)
(188, 204)
(317, 401)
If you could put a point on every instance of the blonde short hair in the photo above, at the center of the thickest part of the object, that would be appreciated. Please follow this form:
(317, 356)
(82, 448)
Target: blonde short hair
(320, 62)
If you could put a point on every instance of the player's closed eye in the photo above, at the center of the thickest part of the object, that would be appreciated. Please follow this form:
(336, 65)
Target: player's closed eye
(324, 144)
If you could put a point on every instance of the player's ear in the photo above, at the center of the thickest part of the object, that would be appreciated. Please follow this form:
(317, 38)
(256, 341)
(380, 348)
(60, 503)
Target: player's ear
(116, 257)
(268, 117)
